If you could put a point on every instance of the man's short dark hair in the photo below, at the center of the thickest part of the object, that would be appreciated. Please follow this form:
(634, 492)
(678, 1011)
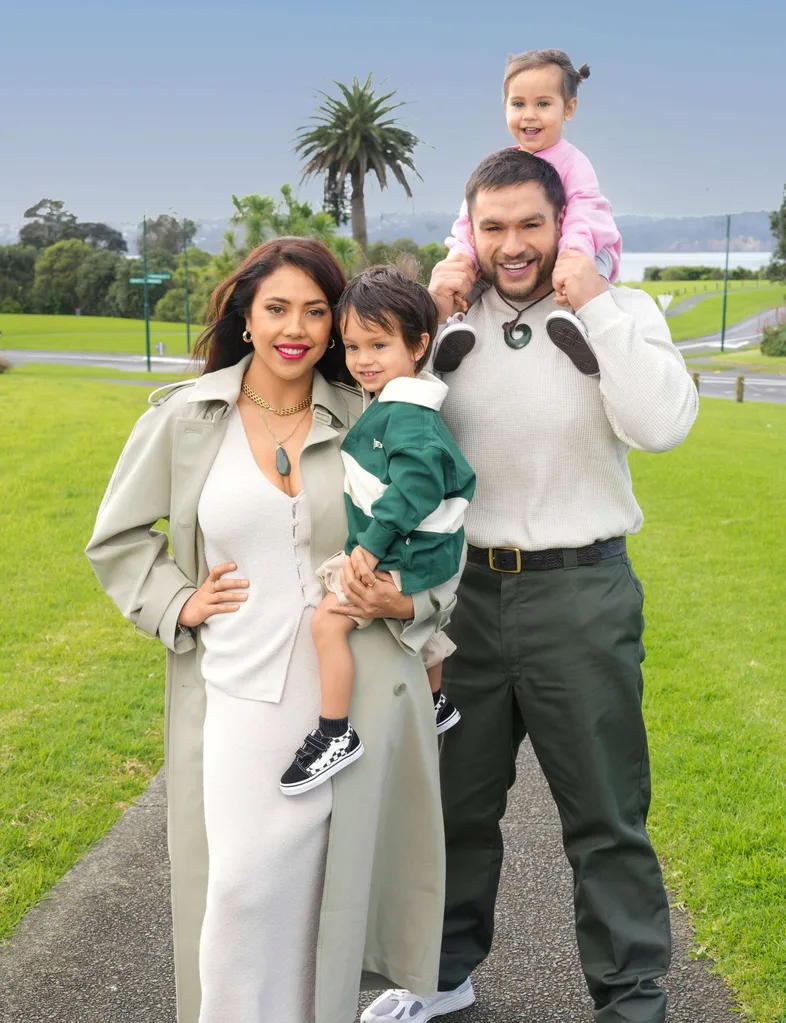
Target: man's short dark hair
(514, 167)
(390, 298)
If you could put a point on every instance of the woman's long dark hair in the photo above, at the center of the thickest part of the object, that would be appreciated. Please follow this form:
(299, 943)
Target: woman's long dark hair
(221, 343)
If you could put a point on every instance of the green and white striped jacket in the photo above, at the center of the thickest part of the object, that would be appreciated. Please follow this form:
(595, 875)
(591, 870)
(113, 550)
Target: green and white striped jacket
(407, 484)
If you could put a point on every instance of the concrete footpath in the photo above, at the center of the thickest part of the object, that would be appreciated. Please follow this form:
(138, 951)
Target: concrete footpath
(98, 950)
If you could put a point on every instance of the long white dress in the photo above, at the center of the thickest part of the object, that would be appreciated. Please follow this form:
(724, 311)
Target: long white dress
(266, 850)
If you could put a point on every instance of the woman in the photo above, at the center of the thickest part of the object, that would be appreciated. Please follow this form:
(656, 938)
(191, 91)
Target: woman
(278, 904)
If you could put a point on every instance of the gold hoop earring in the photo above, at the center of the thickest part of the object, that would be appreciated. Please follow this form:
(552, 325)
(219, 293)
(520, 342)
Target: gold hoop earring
(332, 343)
(247, 337)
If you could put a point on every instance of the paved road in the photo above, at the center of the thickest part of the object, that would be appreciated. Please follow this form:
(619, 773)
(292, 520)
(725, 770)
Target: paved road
(741, 335)
(98, 950)
(758, 387)
(683, 305)
(127, 363)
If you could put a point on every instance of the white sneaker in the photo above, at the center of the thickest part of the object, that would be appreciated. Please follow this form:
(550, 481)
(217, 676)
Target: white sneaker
(397, 1004)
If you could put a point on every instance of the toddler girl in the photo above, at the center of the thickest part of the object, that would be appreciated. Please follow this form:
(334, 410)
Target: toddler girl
(406, 488)
(540, 95)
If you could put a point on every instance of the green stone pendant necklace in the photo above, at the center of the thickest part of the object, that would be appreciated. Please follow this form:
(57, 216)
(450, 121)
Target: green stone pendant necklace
(283, 464)
(518, 335)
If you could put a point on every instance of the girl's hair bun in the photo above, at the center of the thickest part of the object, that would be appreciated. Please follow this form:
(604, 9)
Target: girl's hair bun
(571, 78)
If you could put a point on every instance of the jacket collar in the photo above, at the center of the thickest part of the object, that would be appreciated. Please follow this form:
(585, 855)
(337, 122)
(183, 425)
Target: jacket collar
(224, 385)
(424, 389)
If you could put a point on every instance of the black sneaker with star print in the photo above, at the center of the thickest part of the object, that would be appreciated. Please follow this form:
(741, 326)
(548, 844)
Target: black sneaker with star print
(319, 758)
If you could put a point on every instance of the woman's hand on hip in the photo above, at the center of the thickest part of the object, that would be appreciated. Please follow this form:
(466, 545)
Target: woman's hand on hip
(382, 600)
(214, 596)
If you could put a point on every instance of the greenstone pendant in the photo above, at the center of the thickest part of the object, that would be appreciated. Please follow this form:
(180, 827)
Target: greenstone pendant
(283, 464)
(517, 335)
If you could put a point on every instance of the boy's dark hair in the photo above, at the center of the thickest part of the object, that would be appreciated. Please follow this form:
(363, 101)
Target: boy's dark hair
(514, 167)
(391, 298)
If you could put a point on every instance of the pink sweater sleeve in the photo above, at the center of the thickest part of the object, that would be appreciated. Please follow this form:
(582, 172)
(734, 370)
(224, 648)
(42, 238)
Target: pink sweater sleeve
(589, 222)
(459, 241)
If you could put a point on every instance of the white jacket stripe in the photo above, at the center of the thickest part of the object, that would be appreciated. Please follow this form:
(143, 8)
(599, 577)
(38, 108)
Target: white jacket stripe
(364, 489)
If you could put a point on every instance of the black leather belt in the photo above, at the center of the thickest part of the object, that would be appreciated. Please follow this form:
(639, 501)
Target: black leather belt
(512, 560)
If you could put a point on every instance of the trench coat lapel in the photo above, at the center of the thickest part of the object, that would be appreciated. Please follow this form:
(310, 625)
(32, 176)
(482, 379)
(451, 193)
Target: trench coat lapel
(196, 444)
(322, 471)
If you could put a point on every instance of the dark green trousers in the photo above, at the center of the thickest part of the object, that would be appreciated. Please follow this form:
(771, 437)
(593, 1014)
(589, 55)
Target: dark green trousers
(556, 655)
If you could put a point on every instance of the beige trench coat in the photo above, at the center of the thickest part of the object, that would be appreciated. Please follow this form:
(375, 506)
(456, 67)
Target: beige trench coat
(383, 898)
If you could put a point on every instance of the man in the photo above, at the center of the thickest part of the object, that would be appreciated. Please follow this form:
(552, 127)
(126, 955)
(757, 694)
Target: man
(549, 616)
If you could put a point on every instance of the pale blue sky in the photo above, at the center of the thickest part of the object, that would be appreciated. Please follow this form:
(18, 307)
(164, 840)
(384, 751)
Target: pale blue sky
(117, 108)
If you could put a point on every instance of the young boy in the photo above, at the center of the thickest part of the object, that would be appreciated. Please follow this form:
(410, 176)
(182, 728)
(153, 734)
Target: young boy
(407, 486)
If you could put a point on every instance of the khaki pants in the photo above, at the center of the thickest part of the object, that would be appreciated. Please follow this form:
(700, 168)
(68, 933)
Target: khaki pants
(434, 651)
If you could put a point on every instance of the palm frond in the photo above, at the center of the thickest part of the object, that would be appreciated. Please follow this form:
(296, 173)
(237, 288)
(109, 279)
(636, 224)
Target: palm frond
(353, 133)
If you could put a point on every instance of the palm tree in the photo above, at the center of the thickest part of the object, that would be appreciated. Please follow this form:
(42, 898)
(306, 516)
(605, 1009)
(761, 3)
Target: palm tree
(254, 213)
(353, 136)
(347, 251)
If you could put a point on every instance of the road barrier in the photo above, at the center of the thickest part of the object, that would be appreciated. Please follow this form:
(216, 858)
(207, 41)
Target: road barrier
(740, 389)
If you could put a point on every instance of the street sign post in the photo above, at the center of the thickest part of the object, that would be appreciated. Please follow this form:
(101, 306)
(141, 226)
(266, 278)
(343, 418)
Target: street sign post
(146, 281)
(664, 302)
(188, 304)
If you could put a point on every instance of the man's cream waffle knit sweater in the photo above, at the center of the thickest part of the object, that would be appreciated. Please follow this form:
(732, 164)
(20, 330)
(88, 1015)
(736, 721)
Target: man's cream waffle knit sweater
(549, 445)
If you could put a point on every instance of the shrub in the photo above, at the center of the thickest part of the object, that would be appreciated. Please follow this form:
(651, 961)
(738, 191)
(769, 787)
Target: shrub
(773, 340)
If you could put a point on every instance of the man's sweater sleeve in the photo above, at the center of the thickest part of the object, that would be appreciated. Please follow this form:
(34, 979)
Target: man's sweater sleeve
(649, 398)
(417, 482)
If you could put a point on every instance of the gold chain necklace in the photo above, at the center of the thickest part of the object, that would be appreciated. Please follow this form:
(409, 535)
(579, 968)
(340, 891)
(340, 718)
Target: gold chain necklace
(283, 464)
(288, 410)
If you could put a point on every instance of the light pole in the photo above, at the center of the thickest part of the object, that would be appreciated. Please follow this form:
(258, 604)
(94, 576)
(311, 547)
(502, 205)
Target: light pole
(725, 283)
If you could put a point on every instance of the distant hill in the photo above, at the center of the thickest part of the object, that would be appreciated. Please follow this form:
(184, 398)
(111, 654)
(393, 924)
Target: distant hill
(750, 231)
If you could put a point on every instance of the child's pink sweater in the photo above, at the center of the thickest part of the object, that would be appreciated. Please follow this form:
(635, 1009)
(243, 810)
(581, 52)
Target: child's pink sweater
(589, 223)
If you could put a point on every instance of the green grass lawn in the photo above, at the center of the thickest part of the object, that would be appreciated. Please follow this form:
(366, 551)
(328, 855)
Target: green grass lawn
(81, 696)
(750, 360)
(91, 334)
(81, 699)
(687, 289)
(705, 318)
(52, 371)
(710, 558)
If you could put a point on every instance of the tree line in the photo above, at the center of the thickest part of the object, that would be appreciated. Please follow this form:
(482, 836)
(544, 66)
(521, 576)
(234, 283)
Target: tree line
(704, 273)
(61, 266)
